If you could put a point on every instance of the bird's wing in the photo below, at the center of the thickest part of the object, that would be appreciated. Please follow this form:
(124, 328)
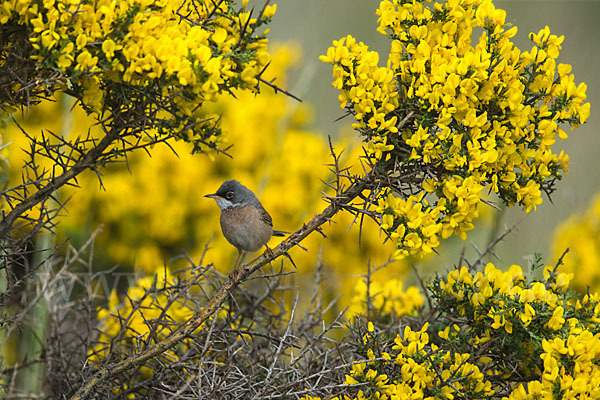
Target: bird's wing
(265, 216)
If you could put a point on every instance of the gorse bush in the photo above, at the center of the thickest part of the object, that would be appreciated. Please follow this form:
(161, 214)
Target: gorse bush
(462, 117)
(444, 121)
(143, 70)
(493, 334)
(192, 50)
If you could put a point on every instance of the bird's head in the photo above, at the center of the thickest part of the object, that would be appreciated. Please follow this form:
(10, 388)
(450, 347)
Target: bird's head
(233, 194)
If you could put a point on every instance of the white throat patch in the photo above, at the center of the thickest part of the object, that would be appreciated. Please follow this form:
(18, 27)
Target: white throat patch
(223, 203)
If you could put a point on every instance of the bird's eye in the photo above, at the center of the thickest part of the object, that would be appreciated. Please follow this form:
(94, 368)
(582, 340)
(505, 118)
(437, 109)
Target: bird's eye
(229, 195)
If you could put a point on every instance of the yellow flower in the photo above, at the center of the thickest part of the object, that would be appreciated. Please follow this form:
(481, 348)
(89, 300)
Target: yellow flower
(557, 320)
(270, 10)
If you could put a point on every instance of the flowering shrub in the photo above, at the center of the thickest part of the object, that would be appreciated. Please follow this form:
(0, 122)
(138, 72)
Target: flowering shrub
(523, 329)
(494, 335)
(142, 70)
(463, 117)
(415, 369)
(180, 54)
(131, 321)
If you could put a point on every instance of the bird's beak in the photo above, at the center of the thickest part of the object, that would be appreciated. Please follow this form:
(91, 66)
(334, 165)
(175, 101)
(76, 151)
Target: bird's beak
(212, 196)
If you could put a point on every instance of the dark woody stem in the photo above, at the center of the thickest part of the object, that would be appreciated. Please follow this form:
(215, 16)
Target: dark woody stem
(343, 198)
(89, 160)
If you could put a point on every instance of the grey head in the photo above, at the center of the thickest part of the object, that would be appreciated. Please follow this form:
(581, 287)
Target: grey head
(232, 193)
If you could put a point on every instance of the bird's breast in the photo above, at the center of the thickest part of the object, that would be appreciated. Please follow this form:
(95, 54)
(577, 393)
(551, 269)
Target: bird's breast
(244, 227)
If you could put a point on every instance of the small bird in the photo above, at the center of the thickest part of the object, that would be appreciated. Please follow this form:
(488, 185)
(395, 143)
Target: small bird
(244, 221)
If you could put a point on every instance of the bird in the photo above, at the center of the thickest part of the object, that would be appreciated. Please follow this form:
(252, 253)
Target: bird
(244, 221)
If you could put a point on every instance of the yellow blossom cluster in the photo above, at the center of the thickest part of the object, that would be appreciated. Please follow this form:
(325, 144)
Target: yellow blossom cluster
(414, 369)
(580, 234)
(551, 331)
(461, 116)
(368, 89)
(495, 334)
(386, 298)
(187, 52)
(133, 316)
(485, 292)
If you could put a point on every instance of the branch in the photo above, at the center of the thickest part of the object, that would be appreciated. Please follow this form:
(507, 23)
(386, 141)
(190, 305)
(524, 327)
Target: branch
(236, 277)
(490, 248)
(87, 161)
(278, 89)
